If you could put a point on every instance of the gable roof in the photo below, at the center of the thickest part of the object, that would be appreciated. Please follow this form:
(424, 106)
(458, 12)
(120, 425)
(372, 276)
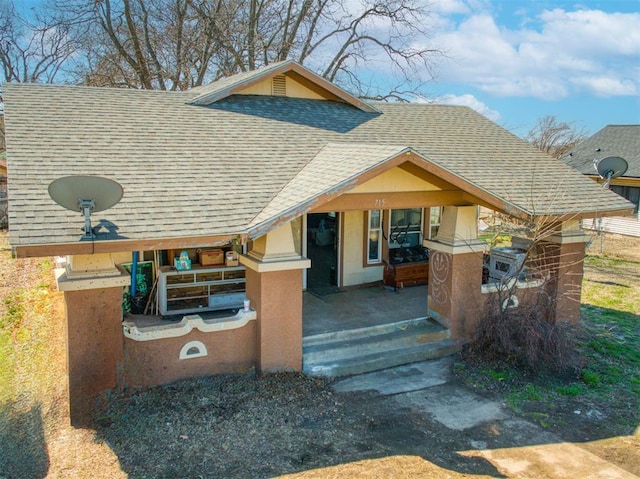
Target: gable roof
(193, 174)
(334, 169)
(612, 140)
(223, 88)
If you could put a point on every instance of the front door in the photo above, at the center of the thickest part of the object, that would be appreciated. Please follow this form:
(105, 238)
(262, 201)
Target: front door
(322, 250)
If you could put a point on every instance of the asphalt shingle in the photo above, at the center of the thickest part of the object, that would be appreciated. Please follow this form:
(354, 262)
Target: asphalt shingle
(612, 140)
(194, 170)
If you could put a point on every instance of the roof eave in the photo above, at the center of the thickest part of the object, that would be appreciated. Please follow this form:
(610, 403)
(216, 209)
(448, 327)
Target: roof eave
(121, 246)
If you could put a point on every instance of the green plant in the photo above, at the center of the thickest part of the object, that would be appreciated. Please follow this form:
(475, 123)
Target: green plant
(591, 378)
(497, 375)
(15, 311)
(531, 393)
(571, 390)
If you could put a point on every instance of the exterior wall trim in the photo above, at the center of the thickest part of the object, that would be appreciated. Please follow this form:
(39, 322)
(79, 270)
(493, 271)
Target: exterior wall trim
(186, 325)
(65, 283)
(270, 266)
(459, 247)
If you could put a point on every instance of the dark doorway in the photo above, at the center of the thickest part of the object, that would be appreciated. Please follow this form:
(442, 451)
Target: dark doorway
(322, 250)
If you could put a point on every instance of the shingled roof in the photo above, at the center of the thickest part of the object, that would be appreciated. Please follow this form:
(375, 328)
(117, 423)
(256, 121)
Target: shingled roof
(239, 164)
(612, 140)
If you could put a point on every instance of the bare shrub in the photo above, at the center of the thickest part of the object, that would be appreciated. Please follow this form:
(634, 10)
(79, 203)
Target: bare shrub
(524, 337)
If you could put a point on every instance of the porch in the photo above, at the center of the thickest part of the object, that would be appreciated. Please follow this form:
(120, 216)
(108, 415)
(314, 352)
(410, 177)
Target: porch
(365, 329)
(374, 305)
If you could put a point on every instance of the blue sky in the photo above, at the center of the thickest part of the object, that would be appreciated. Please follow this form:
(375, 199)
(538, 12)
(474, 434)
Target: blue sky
(516, 61)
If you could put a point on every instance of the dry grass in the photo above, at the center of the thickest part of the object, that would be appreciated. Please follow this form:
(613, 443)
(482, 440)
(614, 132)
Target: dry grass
(616, 246)
(35, 439)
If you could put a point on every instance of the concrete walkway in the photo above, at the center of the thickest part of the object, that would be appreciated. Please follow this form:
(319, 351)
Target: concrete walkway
(523, 449)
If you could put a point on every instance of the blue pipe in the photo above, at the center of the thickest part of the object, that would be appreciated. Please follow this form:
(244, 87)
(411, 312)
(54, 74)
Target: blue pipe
(134, 273)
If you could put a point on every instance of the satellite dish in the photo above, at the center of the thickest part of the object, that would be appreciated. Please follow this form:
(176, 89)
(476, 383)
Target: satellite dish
(610, 167)
(85, 194)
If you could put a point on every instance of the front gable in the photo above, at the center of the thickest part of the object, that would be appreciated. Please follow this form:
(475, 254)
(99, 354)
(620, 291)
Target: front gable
(356, 176)
(397, 180)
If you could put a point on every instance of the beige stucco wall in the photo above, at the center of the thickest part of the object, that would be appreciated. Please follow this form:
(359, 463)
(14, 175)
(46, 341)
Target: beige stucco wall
(148, 363)
(353, 271)
(394, 180)
(294, 90)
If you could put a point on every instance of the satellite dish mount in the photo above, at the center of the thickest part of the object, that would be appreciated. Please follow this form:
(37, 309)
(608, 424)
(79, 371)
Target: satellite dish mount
(86, 206)
(610, 167)
(86, 194)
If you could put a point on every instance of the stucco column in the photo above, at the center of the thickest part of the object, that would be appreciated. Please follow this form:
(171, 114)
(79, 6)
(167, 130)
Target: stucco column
(274, 287)
(92, 288)
(563, 253)
(455, 272)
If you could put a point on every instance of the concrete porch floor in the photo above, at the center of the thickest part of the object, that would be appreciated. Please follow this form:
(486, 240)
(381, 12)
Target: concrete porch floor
(360, 308)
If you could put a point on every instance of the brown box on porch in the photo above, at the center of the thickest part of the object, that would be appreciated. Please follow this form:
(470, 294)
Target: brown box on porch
(212, 257)
(231, 258)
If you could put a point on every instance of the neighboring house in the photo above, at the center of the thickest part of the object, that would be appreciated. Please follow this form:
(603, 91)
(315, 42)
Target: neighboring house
(311, 186)
(613, 140)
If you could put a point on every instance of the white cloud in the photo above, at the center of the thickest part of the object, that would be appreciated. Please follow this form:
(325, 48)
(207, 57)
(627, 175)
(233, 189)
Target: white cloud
(605, 86)
(470, 101)
(553, 54)
(450, 6)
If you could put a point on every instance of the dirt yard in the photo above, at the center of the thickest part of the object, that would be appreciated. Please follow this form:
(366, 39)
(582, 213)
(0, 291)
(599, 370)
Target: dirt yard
(242, 426)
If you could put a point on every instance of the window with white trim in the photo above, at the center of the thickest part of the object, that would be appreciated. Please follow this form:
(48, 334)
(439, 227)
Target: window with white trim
(405, 228)
(435, 216)
(374, 235)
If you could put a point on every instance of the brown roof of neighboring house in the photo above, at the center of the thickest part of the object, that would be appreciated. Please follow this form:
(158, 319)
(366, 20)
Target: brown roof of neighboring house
(612, 140)
(237, 165)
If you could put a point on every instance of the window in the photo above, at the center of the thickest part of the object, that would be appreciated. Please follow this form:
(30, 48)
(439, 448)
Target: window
(405, 228)
(435, 216)
(374, 233)
(631, 193)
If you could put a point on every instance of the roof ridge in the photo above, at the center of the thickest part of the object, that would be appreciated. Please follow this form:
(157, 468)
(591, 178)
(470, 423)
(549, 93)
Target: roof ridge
(210, 87)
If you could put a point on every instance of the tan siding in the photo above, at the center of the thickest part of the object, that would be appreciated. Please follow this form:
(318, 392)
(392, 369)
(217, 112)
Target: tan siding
(396, 180)
(353, 272)
(294, 90)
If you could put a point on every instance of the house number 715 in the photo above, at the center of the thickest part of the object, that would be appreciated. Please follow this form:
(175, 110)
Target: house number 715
(379, 202)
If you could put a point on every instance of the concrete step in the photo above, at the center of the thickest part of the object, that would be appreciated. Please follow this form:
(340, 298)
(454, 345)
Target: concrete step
(388, 337)
(337, 336)
(380, 347)
(382, 360)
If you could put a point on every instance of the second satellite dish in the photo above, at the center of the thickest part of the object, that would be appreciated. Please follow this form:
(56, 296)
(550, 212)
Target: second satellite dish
(610, 167)
(85, 194)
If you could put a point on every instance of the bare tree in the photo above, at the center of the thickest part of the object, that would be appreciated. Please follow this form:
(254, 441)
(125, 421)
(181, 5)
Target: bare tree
(554, 137)
(178, 44)
(150, 44)
(33, 50)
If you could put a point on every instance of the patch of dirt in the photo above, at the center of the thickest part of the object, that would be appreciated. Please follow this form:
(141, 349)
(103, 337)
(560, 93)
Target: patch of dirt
(243, 426)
